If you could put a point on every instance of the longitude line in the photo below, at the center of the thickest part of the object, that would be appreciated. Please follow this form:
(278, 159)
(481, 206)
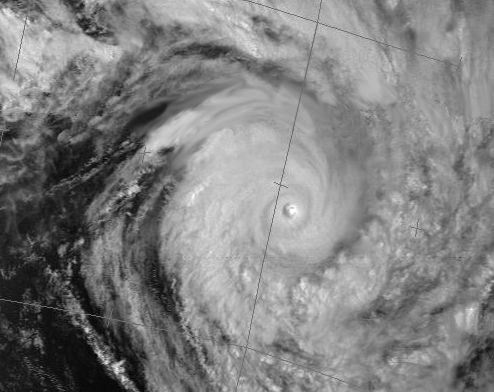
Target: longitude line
(277, 197)
(20, 46)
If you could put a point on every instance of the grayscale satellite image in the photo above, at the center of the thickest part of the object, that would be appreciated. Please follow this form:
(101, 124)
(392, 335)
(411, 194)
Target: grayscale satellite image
(246, 196)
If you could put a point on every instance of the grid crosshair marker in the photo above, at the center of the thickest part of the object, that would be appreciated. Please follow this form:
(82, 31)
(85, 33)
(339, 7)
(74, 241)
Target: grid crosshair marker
(417, 228)
(278, 196)
(109, 319)
(143, 153)
(279, 184)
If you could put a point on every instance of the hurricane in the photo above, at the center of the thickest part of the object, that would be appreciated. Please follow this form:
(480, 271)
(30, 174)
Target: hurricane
(243, 196)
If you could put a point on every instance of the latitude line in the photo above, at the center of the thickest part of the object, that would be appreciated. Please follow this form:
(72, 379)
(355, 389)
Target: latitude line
(277, 9)
(357, 35)
(20, 46)
(305, 367)
(295, 364)
(82, 313)
(278, 195)
(308, 368)
(389, 45)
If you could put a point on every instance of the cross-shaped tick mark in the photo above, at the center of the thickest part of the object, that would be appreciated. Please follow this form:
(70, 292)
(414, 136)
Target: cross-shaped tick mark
(417, 228)
(109, 319)
(277, 183)
(143, 153)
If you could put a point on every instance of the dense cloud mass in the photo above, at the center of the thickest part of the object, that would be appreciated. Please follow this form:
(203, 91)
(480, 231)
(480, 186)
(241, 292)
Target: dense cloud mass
(220, 196)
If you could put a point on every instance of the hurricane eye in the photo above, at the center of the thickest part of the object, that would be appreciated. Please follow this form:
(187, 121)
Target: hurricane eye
(290, 210)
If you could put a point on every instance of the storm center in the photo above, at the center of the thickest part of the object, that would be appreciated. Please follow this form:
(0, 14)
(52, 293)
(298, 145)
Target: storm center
(290, 210)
